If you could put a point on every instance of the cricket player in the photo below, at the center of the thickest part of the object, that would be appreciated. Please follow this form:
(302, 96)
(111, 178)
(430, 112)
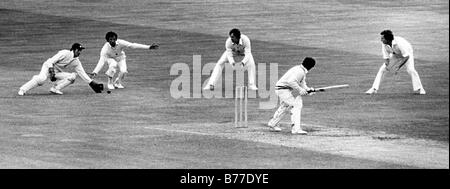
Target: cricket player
(290, 88)
(237, 47)
(112, 53)
(54, 68)
(398, 52)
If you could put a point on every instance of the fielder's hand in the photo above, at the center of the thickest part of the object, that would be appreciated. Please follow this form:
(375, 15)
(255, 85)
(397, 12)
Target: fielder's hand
(93, 75)
(154, 46)
(239, 63)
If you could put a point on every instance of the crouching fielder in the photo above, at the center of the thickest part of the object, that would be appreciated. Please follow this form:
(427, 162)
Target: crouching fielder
(292, 83)
(53, 69)
(112, 53)
(400, 52)
(237, 46)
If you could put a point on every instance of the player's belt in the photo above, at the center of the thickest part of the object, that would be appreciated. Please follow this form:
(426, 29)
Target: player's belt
(282, 87)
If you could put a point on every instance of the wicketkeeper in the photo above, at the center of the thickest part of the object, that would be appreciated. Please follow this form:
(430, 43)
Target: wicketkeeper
(53, 69)
(290, 88)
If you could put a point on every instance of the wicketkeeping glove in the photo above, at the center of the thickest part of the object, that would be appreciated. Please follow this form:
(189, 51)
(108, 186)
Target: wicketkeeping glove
(51, 71)
(97, 87)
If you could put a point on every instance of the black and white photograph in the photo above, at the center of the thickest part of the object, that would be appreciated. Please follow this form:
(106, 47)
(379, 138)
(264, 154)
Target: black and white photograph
(211, 93)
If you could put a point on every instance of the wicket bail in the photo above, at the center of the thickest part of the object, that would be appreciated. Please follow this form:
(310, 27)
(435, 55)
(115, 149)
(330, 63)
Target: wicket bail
(240, 108)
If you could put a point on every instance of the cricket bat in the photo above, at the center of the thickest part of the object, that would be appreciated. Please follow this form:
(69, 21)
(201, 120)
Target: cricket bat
(321, 89)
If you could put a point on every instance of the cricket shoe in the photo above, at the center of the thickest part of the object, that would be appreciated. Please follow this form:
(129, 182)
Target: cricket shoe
(21, 92)
(118, 86)
(111, 86)
(299, 132)
(253, 87)
(422, 91)
(209, 87)
(371, 91)
(55, 91)
(275, 128)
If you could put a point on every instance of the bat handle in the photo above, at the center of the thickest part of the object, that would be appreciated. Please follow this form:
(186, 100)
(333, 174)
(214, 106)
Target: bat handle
(315, 90)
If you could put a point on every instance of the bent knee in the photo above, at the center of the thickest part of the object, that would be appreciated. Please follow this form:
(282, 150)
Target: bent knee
(72, 77)
(40, 80)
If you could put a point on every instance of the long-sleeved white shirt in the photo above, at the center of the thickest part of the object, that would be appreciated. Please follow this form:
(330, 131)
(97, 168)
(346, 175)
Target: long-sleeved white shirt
(294, 78)
(400, 48)
(116, 52)
(64, 60)
(231, 50)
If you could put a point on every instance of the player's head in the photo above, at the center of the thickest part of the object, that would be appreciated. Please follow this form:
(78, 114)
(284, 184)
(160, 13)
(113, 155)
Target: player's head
(387, 36)
(308, 63)
(235, 35)
(111, 38)
(76, 48)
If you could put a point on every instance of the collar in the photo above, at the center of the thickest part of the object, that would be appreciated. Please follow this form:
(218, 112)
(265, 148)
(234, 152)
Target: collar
(240, 41)
(304, 69)
(394, 42)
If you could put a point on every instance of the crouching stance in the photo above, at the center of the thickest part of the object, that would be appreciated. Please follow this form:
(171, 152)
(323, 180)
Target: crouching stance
(112, 53)
(237, 48)
(54, 68)
(290, 88)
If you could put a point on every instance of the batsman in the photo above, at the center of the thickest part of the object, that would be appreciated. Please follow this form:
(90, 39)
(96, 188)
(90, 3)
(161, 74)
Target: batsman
(290, 88)
(53, 69)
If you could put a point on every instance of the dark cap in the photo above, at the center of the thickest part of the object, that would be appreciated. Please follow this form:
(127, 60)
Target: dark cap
(77, 46)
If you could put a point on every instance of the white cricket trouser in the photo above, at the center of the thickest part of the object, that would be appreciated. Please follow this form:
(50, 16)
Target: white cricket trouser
(217, 72)
(113, 64)
(416, 83)
(63, 79)
(288, 103)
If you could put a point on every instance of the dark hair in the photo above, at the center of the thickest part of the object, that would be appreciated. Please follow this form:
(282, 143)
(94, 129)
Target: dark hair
(308, 63)
(76, 46)
(388, 35)
(110, 34)
(235, 32)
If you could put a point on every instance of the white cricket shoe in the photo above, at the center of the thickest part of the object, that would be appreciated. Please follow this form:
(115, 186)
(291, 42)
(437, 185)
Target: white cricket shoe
(422, 91)
(55, 91)
(299, 132)
(275, 128)
(371, 91)
(209, 87)
(21, 92)
(253, 87)
(118, 85)
(111, 86)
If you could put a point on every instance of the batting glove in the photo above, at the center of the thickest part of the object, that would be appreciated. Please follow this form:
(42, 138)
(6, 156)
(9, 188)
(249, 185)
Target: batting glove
(311, 91)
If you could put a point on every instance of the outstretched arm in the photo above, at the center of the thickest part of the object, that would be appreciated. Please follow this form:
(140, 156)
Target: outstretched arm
(80, 71)
(138, 45)
(101, 61)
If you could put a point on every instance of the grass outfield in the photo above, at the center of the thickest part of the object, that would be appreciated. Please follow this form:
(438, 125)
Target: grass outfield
(97, 125)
